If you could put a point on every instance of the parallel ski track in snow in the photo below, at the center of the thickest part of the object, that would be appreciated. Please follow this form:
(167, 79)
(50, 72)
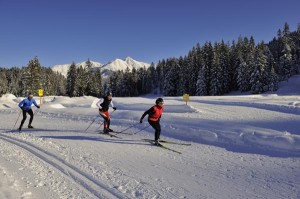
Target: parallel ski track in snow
(85, 182)
(64, 116)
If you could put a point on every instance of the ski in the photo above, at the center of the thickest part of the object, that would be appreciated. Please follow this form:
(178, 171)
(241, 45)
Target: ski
(25, 130)
(161, 146)
(178, 143)
(111, 135)
(120, 132)
(164, 147)
(170, 142)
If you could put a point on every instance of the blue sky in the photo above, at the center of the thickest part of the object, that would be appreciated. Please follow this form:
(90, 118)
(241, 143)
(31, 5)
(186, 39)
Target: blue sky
(63, 31)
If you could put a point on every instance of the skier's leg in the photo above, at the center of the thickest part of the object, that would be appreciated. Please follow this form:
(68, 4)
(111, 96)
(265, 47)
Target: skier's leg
(107, 121)
(157, 133)
(156, 127)
(23, 120)
(31, 117)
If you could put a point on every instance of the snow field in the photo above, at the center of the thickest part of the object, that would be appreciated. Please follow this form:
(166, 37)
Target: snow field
(241, 147)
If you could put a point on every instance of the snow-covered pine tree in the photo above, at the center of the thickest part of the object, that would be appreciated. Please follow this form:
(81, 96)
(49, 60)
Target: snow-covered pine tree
(115, 83)
(286, 58)
(141, 83)
(80, 83)
(201, 86)
(14, 78)
(161, 71)
(216, 73)
(235, 59)
(258, 80)
(171, 81)
(48, 81)
(34, 70)
(25, 84)
(149, 83)
(60, 84)
(152, 77)
(194, 63)
(133, 83)
(245, 69)
(96, 83)
(285, 62)
(3, 82)
(208, 57)
(224, 64)
(71, 81)
(126, 83)
(272, 77)
(184, 75)
(88, 77)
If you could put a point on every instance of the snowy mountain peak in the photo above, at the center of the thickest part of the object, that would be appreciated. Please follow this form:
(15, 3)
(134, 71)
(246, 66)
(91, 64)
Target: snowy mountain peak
(63, 68)
(115, 65)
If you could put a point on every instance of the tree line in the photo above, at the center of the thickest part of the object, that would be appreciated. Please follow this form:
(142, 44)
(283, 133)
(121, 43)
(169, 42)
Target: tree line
(216, 69)
(25, 80)
(212, 69)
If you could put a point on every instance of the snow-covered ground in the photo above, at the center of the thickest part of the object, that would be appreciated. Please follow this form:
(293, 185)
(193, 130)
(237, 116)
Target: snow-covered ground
(242, 146)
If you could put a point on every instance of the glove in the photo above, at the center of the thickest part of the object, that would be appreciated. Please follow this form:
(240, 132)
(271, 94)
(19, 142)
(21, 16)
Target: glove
(141, 120)
(38, 107)
(100, 109)
(115, 108)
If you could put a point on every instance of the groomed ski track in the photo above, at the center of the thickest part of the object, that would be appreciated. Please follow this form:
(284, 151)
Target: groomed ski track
(92, 187)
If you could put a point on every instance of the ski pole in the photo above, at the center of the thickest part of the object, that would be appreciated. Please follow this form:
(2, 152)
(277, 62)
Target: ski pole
(90, 124)
(142, 129)
(133, 125)
(17, 120)
(36, 111)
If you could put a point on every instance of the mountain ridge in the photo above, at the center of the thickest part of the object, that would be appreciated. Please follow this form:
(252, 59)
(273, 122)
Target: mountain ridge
(106, 69)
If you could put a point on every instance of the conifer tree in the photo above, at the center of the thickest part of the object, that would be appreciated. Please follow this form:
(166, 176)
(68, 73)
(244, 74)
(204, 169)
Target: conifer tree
(216, 84)
(3, 82)
(225, 67)
(71, 81)
(96, 84)
(34, 72)
(208, 57)
(80, 82)
(184, 73)
(172, 77)
(88, 78)
(151, 76)
(201, 86)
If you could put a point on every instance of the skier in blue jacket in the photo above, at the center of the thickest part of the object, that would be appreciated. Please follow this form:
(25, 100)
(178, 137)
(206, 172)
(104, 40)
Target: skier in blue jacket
(25, 105)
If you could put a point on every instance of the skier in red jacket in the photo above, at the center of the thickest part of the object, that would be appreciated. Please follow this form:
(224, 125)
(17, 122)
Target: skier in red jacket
(155, 113)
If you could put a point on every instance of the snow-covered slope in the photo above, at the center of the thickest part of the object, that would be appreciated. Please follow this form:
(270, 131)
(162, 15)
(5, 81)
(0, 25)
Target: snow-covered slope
(115, 65)
(242, 146)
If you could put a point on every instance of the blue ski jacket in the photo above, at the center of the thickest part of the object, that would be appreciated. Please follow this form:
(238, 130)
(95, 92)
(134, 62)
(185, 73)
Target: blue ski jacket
(26, 103)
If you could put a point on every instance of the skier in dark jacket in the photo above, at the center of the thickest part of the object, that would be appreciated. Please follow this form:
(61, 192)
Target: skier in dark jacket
(103, 105)
(25, 105)
(155, 113)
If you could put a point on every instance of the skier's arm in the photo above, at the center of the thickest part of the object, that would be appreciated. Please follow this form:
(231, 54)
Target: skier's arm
(35, 104)
(112, 105)
(151, 110)
(21, 104)
(99, 102)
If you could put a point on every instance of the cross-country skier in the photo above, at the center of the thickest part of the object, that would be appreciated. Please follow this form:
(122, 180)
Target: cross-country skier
(103, 105)
(25, 105)
(154, 115)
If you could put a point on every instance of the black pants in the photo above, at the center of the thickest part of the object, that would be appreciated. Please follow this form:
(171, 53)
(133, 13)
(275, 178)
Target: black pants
(156, 126)
(25, 116)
